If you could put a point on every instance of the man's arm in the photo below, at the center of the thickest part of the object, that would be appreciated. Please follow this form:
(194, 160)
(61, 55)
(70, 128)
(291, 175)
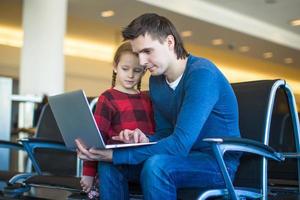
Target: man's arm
(201, 95)
(162, 127)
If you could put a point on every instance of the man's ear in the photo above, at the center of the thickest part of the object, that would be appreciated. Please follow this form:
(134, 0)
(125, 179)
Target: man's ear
(170, 41)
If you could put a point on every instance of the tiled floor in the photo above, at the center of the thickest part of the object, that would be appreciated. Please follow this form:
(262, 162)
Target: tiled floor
(41, 194)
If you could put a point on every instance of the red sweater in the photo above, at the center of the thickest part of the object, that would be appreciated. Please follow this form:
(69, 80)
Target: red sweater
(116, 111)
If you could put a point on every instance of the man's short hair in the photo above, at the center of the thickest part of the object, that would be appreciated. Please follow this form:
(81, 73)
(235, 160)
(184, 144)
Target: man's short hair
(158, 27)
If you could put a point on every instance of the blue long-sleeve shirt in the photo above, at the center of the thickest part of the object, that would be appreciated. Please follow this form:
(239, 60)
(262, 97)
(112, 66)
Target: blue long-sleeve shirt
(202, 105)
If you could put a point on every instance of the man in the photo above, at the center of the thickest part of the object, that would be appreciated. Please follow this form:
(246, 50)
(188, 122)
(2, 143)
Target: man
(191, 99)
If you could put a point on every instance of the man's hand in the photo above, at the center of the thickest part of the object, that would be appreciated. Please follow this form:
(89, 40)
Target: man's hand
(131, 136)
(93, 154)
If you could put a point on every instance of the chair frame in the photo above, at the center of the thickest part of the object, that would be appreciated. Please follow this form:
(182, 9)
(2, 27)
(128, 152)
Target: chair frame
(11, 145)
(295, 121)
(21, 176)
(220, 146)
(29, 145)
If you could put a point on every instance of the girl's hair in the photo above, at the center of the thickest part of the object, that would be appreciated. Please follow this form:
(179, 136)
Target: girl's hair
(123, 48)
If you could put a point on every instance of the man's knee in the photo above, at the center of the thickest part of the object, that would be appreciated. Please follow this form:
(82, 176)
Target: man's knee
(154, 166)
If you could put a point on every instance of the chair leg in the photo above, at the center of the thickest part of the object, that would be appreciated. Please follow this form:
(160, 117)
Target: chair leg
(221, 163)
(296, 126)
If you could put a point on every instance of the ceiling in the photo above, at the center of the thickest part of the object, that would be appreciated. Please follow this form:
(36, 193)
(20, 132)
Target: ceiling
(274, 12)
(260, 24)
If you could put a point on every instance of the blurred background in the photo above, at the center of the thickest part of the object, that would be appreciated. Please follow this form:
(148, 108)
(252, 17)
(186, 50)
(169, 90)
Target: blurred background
(53, 46)
(248, 40)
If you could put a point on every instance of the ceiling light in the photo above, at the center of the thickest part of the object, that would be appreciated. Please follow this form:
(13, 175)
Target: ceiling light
(244, 49)
(72, 47)
(87, 49)
(239, 75)
(186, 33)
(11, 36)
(217, 41)
(270, 1)
(107, 13)
(268, 55)
(295, 22)
(288, 60)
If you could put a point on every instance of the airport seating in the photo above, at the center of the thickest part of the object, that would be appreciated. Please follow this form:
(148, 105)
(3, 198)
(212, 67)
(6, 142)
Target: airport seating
(13, 148)
(257, 115)
(256, 100)
(54, 166)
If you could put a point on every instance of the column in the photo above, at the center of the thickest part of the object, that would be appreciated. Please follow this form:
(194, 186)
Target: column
(5, 118)
(42, 58)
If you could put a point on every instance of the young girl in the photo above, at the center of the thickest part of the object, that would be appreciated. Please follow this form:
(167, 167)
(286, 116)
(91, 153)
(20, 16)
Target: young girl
(123, 106)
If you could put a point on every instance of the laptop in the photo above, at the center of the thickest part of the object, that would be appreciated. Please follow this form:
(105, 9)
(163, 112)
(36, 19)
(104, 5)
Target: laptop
(75, 121)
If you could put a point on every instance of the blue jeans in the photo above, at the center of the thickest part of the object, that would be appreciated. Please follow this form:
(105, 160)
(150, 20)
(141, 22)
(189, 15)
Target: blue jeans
(161, 175)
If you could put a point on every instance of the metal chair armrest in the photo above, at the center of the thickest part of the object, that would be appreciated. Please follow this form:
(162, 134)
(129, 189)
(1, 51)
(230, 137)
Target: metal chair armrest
(291, 154)
(30, 144)
(246, 145)
(222, 145)
(43, 143)
(20, 177)
(10, 145)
